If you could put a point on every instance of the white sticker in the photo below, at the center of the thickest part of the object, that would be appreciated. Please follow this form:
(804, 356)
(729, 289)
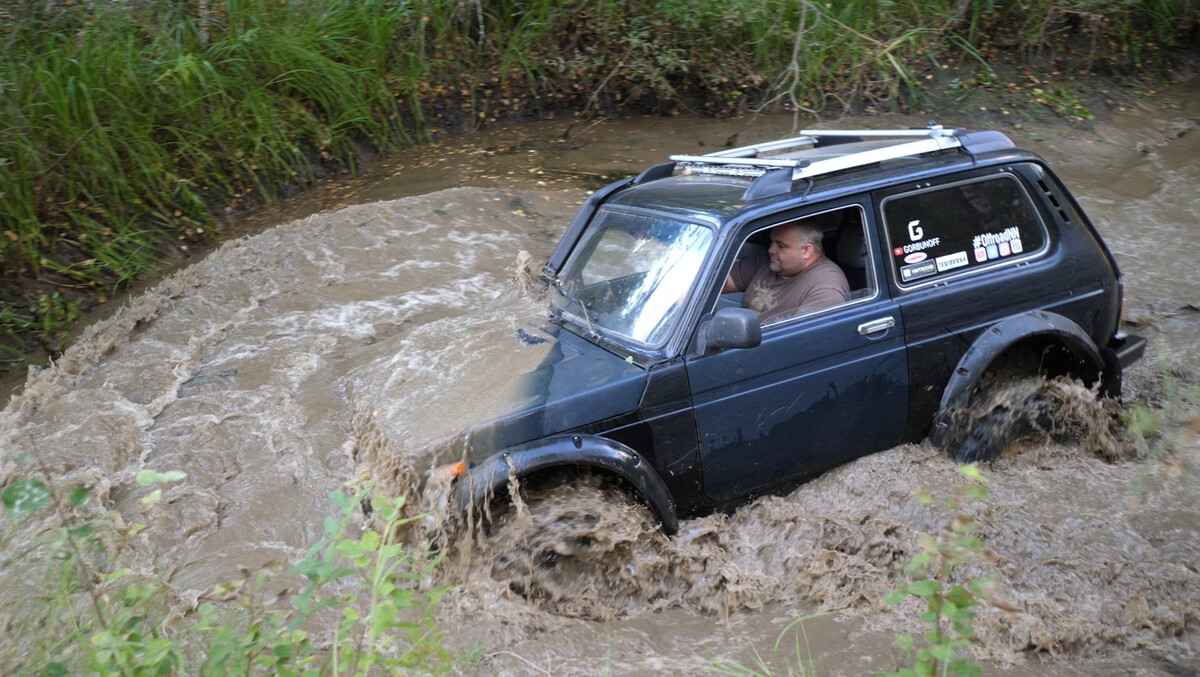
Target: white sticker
(917, 270)
(991, 239)
(916, 257)
(918, 246)
(951, 261)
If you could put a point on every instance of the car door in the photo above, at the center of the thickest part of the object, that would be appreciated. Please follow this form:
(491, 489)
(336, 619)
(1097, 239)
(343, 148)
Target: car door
(967, 251)
(821, 389)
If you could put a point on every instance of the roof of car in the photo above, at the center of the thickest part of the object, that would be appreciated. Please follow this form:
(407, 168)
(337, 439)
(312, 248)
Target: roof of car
(694, 195)
(718, 186)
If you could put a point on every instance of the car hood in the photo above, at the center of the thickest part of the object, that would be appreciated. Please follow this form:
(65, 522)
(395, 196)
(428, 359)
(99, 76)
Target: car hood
(475, 384)
(576, 383)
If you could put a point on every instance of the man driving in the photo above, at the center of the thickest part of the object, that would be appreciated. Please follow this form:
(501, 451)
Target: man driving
(792, 278)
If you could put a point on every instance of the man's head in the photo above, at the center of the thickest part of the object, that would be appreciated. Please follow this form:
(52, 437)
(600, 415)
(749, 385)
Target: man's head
(794, 247)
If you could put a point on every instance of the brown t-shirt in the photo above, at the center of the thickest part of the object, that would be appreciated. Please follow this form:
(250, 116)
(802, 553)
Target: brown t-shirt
(774, 297)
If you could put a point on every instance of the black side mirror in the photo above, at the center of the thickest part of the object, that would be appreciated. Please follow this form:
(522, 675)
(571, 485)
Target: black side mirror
(729, 328)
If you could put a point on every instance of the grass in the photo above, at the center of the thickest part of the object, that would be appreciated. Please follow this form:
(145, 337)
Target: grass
(96, 610)
(796, 660)
(132, 127)
(1170, 432)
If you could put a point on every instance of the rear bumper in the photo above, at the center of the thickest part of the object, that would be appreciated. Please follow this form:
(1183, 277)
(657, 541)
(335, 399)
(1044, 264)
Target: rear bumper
(1127, 348)
(1122, 351)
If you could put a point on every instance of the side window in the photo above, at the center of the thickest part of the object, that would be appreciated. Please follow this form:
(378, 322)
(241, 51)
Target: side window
(964, 226)
(841, 272)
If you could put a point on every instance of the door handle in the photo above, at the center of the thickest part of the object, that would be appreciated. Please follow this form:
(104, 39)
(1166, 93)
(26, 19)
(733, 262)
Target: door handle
(876, 326)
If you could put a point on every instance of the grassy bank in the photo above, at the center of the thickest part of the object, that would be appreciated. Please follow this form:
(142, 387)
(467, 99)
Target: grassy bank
(132, 129)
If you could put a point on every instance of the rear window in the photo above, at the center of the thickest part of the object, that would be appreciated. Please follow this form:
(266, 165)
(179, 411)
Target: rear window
(965, 226)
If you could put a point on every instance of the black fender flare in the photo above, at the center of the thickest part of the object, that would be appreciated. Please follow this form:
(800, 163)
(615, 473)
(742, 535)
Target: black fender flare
(998, 338)
(482, 480)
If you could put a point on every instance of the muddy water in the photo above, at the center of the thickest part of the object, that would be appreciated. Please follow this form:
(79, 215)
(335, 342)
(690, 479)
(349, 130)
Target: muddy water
(334, 348)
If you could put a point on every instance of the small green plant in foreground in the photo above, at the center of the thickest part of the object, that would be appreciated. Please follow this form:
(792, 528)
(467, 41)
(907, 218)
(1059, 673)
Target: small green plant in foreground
(793, 660)
(948, 606)
(1170, 432)
(362, 609)
(376, 629)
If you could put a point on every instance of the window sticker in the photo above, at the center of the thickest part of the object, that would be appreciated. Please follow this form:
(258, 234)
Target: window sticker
(917, 271)
(918, 246)
(951, 261)
(1005, 236)
(961, 226)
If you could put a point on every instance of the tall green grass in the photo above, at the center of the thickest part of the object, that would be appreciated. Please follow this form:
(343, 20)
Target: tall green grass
(128, 127)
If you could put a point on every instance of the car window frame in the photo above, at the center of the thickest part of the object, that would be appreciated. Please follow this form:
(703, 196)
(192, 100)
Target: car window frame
(616, 338)
(893, 270)
(873, 277)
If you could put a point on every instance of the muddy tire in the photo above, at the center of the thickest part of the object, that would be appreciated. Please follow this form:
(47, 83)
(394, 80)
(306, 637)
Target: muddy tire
(582, 548)
(1015, 413)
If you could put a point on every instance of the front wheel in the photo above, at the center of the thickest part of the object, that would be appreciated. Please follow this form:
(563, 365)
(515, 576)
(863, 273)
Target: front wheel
(579, 547)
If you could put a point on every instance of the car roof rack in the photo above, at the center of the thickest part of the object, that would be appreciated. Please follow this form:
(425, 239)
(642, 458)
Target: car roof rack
(748, 160)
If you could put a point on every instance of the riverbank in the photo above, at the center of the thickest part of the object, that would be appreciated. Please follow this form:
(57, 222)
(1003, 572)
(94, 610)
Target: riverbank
(272, 368)
(140, 133)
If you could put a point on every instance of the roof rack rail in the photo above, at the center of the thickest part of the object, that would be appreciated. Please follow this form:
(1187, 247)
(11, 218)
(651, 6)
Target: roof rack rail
(745, 161)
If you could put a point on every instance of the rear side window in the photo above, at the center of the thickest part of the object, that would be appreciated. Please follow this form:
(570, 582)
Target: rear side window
(965, 226)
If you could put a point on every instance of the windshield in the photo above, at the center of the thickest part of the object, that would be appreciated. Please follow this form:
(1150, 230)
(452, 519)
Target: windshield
(631, 273)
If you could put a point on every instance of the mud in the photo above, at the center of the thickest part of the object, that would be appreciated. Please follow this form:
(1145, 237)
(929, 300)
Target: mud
(332, 350)
(1022, 415)
(1092, 573)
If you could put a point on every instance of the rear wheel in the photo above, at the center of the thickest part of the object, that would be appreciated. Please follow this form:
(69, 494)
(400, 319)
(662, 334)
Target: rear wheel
(1013, 413)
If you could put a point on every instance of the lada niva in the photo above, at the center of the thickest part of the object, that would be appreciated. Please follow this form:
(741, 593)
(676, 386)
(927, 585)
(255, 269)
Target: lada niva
(964, 258)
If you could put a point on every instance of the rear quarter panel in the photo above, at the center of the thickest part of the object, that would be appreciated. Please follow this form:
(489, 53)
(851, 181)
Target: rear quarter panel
(1073, 277)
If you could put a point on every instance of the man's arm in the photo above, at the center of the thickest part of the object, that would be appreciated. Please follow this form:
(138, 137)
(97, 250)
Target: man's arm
(824, 296)
(743, 271)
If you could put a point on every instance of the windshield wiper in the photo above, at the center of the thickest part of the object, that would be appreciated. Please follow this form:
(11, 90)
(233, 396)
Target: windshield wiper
(556, 284)
(588, 318)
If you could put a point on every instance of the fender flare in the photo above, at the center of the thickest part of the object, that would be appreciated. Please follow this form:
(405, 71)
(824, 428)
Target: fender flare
(1000, 337)
(579, 450)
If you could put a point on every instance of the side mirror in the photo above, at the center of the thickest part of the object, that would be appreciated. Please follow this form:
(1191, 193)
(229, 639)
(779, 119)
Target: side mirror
(730, 328)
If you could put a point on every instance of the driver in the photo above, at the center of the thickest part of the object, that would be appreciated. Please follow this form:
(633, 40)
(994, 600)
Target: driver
(792, 278)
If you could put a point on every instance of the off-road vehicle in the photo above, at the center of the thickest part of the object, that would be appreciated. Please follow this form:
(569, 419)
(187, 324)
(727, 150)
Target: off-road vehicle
(967, 259)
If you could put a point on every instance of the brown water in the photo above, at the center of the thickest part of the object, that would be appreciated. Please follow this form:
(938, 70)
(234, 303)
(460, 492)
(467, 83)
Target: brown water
(333, 347)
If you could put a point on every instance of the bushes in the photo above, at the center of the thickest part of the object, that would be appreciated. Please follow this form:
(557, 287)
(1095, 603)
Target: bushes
(131, 127)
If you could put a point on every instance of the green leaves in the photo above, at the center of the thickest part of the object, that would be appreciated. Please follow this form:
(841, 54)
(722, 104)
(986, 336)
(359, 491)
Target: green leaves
(973, 472)
(947, 606)
(25, 496)
(79, 496)
(924, 588)
(146, 477)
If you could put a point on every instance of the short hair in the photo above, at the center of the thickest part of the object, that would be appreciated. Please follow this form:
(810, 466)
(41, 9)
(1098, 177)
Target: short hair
(807, 233)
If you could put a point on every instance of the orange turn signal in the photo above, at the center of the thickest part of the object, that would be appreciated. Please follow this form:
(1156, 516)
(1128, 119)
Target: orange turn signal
(448, 472)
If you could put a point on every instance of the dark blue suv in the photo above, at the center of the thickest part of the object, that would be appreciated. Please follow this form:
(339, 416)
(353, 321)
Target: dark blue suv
(964, 258)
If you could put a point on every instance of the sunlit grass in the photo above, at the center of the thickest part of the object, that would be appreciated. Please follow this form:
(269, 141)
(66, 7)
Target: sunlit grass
(128, 126)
